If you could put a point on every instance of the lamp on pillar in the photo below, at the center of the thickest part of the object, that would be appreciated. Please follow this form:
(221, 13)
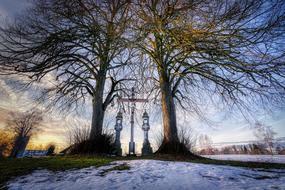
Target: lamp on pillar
(146, 150)
(118, 128)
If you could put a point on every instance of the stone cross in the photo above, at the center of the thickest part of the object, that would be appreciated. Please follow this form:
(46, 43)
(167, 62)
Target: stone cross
(133, 101)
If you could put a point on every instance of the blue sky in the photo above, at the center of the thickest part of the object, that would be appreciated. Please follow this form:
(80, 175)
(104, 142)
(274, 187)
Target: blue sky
(9, 8)
(225, 128)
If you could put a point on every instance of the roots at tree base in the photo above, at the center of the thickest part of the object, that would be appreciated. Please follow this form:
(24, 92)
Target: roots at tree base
(176, 149)
(104, 144)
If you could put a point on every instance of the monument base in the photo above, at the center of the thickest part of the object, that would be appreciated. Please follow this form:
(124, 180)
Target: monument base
(146, 149)
(132, 151)
(131, 155)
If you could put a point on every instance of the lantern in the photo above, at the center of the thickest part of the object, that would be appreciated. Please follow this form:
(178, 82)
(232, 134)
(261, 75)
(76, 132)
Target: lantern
(119, 122)
(145, 125)
(146, 149)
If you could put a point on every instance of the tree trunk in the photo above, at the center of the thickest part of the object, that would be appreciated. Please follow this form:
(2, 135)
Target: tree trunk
(171, 143)
(168, 112)
(98, 108)
(19, 147)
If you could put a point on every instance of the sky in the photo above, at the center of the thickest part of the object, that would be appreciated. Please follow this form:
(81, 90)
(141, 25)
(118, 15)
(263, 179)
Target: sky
(223, 128)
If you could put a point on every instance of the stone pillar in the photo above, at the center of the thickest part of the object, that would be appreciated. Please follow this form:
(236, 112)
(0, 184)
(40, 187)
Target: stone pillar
(146, 149)
(118, 143)
(118, 128)
(132, 145)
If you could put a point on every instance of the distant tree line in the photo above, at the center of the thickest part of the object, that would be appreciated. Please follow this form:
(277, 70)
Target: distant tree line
(257, 148)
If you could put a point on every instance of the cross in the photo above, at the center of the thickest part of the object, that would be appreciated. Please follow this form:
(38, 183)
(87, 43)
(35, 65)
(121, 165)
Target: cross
(133, 100)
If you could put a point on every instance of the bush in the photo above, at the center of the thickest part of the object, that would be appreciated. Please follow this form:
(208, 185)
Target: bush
(103, 144)
(50, 150)
(282, 152)
(78, 134)
(6, 143)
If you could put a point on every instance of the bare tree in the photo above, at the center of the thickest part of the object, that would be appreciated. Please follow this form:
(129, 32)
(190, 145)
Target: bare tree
(23, 125)
(231, 52)
(265, 133)
(80, 42)
(205, 144)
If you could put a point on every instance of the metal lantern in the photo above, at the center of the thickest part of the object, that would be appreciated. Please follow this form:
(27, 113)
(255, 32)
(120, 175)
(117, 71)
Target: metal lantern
(119, 122)
(146, 149)
(145, 125)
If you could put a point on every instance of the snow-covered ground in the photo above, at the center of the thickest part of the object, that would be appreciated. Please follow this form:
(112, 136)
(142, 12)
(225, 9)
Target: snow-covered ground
(151, 174)
(251, 158)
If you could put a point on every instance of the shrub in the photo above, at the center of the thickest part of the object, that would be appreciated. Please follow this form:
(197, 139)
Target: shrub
(103, 144)
(50, 150)
(6, 143)
(80, 142)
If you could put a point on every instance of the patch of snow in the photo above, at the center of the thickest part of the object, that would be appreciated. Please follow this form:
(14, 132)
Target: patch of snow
(151, 174)
(249, 158)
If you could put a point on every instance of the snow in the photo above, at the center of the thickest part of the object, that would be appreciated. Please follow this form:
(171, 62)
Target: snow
(250, 158)
(151, 174)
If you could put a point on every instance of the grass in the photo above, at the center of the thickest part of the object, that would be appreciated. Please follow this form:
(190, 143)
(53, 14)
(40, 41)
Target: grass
(119, 168)
(10, 168)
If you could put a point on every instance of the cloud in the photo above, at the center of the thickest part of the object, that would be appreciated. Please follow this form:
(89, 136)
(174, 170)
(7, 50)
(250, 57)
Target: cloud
(12, 99)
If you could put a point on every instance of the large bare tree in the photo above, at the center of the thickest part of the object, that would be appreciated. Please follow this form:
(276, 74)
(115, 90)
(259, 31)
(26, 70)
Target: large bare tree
(231, 52)
(80, 42)
(23, 125)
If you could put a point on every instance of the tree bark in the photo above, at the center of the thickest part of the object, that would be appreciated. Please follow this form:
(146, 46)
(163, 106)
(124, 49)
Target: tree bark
(98, 108)
(171, 143)
(168, 110)
(19, 147)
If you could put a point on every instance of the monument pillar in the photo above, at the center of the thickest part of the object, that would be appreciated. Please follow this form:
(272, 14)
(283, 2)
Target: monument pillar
(118, 128)
(146, 149)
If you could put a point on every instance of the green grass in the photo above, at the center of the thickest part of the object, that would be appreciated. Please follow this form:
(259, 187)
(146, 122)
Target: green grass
(15, 167)
(119, 168)
(10, 168)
